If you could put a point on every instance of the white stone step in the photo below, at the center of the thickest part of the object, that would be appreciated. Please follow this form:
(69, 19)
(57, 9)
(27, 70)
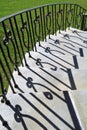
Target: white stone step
(79, 99)
(68, 44)
(75, 34)
(40, 79)
(75, 29)
(61, 48)
(47, 60)
(39, 111)
(80, 33)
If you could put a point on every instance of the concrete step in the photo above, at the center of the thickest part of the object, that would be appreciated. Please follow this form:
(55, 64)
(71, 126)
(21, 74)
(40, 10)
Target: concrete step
(75, 47)
(34, 79)
(79, 99)
(43, 59)
(61, 48)
(79, 33)
(75, 34)
(44, 98)
(38, 111)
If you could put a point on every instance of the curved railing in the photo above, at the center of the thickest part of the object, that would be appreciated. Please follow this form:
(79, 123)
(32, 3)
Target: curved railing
(19, 33)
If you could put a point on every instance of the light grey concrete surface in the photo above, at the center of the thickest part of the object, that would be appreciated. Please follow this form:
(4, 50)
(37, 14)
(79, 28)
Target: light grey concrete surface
(79, 34)
(71, 42)
(52, 90)
(41, 79)
(60, 48)
(79, 99)
(37, 111)
(60, 61)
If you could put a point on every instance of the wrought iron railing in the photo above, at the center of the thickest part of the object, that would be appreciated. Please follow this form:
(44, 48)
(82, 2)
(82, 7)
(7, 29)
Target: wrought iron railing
(20, 32)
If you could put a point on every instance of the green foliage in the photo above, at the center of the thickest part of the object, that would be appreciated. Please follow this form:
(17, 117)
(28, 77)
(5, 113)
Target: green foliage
(8, 7)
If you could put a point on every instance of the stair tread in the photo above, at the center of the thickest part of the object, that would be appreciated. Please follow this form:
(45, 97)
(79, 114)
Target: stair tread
(59, 61)
(44, 98)
(75, 34)
(79, 99)
(78, 32)
(61, 48)
(37, 111)
(52, 79)
(69, 41)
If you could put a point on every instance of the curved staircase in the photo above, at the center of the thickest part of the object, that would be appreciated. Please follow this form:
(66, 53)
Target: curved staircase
(51, 90)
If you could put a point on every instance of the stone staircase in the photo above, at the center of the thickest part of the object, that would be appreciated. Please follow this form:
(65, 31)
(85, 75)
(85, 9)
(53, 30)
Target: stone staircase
(52, 90)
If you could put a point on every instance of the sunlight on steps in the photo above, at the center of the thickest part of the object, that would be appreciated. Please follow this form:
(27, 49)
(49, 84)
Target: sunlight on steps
(52, 89)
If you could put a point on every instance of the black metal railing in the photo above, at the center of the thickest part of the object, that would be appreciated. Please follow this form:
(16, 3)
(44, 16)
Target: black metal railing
(20, 32)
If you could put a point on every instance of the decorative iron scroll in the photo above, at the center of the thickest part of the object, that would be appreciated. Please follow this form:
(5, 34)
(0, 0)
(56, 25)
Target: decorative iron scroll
(70, 16)
(4, 98)
(24, 30)
(48, 22)
(8, 40)
(37, 27)
(79, 19)
(59, 19)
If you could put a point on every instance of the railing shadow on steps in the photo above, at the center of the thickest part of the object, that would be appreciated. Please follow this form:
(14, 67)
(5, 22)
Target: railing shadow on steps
(21, 31)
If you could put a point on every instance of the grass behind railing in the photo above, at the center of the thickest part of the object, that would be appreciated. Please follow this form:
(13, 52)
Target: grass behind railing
(11, 6)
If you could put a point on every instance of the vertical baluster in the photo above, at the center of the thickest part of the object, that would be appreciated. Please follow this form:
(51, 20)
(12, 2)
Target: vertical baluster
(52, 19)
(3, 91)
(16, 25)
(55, 19)
(69, 16)
(15, 46)
(60, 18)
(33, 34)
(24, 27)
(36, 39)
(76, 9)
(64, 17)
(84, 21)
(44, 22)
(15, 39)
(2, 66)
(37, 21)
(49, 23)
(80, 12)
(4, 28)
(4, 98)
(77, 17)
(41, 23)
(74, 15)
(15, 85)
(30, 33)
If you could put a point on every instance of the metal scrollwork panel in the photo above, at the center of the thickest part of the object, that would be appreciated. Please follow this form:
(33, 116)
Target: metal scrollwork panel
(25, 34)
(70, 16)
(79, 20)
(10, 44)
(59, 18)
(37, 26)
(48, 22)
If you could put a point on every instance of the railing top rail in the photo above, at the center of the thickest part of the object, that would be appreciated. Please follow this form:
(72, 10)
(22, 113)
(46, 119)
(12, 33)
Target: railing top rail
(19, 12)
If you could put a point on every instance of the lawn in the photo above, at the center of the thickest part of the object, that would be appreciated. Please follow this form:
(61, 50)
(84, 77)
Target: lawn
(11, 6)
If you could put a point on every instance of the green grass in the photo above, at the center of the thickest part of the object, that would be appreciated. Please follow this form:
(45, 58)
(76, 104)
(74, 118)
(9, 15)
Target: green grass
(8, 7)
